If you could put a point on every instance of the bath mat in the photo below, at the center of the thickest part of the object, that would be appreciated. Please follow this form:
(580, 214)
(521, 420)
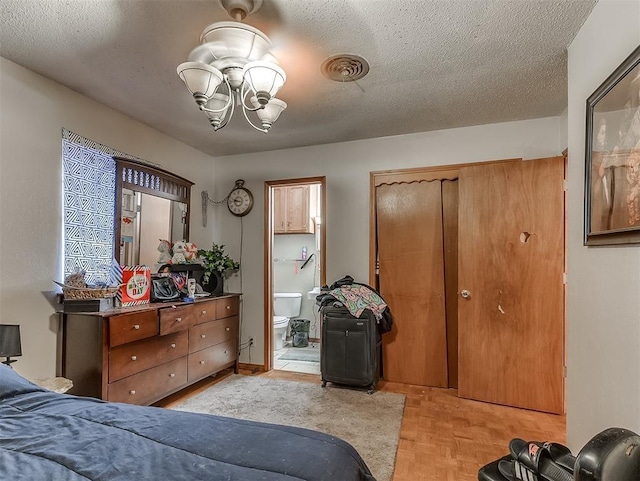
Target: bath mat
(294, 354)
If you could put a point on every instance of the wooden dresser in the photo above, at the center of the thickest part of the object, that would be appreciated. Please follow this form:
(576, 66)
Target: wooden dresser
(141, 354)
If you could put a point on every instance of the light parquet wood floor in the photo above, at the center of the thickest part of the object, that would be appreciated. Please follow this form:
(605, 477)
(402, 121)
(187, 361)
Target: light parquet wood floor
(443, 437)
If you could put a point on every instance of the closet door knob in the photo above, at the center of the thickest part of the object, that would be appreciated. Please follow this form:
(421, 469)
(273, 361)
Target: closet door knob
(465, 294)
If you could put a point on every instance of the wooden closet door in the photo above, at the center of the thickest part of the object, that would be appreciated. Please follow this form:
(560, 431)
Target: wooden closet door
(450, 238)
(511, 258)
(411, 280)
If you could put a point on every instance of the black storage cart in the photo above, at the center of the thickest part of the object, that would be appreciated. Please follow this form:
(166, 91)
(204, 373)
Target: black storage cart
(349, 348)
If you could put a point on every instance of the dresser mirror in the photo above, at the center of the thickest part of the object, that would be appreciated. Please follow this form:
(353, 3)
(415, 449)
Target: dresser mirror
(151, 204)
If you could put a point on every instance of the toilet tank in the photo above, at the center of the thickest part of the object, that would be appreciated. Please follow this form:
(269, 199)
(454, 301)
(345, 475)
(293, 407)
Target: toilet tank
(287, 304)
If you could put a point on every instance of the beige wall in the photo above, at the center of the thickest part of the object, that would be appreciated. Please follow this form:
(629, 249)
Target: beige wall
(347, 166)
(603, 282)
(33, 112)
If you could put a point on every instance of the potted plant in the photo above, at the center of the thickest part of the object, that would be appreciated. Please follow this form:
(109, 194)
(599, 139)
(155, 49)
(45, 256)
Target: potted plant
(216, 263)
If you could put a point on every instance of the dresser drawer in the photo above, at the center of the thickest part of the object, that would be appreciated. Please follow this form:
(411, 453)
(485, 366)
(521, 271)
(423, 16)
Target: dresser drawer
(211, 333)
(150, 385)
(132, 327)
(212, 359)
(176, 318)
(226, 307)
(205, 311)
(139, 356)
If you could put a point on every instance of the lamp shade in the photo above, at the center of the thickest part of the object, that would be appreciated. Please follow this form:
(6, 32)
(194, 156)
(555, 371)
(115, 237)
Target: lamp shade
(201, 79)
(264, 77)
(270, 113)
(220, 103)
(10, 345)
(231, 39)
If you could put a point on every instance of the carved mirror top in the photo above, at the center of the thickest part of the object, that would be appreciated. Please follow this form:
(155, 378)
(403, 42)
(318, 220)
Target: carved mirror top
(152, 180)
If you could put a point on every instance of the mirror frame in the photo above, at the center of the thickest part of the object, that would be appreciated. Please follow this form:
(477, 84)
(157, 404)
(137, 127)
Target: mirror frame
(150, 180)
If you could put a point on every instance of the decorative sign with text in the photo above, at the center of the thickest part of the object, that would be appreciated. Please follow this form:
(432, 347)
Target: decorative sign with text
(136, 288)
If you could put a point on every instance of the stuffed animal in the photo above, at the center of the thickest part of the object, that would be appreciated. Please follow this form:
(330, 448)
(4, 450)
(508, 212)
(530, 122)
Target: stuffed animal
(165, 252)
(191, 253)
(179, 251)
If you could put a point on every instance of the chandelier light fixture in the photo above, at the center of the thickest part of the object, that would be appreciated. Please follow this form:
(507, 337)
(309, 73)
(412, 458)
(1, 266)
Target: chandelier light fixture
(232, 65)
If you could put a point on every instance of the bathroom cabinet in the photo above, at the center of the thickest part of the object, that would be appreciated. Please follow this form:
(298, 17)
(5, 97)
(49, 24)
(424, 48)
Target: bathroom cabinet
(294, 208)
(141, 354)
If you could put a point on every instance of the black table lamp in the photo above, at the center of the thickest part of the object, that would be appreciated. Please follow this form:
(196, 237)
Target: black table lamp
(10, 345)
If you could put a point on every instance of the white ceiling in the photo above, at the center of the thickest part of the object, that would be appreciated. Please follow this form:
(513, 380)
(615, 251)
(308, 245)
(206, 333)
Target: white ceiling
(435, 64)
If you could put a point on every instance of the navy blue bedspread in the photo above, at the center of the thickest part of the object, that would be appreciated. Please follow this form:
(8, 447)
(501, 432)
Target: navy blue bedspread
(48, 436)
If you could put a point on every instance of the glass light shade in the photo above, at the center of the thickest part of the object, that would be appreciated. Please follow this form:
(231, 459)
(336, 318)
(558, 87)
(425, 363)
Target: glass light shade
(200, 79)
(10, 345)
(264, 77)
(217, 102)
(270, 113)
(231, 39)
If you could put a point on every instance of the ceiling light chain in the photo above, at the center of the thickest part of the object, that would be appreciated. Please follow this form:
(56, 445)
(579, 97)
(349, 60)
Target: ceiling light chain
(235, 56)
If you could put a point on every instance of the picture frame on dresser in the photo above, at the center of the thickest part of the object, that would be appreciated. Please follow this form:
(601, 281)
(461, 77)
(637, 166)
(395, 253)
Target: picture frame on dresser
(612, 158)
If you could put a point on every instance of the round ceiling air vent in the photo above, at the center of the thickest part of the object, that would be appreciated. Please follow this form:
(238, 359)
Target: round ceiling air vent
(345, 67)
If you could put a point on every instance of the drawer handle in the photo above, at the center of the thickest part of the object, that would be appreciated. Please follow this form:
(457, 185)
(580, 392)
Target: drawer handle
(178, 319)
(203, 336)
(173, 346)
(172, 375)
(132, 392)
(204, 312)
(228, 307)
(201, 362)
(227, 329)
(136, 326)
(133, 358)
(226, 352)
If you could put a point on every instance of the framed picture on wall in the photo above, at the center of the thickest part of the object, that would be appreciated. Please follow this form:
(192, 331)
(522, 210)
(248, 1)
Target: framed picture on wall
(612, 169)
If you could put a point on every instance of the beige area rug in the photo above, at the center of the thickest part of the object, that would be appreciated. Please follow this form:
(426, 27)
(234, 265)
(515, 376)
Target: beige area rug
(369, 422)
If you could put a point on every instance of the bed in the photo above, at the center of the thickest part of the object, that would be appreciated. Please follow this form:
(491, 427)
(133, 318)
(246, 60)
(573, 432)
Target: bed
(49, 436)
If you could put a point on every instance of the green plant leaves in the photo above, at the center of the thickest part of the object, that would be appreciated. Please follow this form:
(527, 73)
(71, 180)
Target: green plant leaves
(215, 260)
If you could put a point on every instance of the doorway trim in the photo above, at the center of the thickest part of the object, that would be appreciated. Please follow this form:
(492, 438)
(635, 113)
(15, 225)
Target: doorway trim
(268, 251)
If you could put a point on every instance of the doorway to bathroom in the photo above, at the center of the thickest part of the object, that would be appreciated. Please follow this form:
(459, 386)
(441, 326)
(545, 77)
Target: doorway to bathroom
(295, 262)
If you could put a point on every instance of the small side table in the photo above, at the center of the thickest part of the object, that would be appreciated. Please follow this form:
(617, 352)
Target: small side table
(55, 384)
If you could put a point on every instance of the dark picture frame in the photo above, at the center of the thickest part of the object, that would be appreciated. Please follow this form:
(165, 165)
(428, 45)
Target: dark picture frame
(612, 158)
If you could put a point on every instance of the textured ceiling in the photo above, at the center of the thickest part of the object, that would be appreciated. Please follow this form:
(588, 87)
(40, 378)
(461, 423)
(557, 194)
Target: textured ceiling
(435, 64)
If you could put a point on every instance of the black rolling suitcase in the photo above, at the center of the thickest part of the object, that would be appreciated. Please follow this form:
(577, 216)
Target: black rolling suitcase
(349, 348)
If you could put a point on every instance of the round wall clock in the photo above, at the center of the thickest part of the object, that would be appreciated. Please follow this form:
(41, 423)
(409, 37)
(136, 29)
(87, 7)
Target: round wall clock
(240, 200)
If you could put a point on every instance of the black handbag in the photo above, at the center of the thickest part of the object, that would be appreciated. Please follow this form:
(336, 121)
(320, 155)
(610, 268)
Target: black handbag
(164, 289)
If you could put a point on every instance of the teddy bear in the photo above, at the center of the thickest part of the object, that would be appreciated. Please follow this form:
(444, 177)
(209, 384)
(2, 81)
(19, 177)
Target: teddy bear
(191, 252)
(179, 251)
(165, 252)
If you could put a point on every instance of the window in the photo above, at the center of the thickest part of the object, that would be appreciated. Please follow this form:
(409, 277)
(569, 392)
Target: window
(89, 182)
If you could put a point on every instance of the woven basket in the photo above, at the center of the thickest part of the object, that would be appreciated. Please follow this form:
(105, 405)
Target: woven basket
(89, 293)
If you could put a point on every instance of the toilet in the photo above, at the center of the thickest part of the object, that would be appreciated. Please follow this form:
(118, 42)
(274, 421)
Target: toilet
(285, 306)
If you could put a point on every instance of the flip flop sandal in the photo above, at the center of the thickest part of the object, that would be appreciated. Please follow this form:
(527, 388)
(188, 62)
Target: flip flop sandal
(506, 469)
(535, 461)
